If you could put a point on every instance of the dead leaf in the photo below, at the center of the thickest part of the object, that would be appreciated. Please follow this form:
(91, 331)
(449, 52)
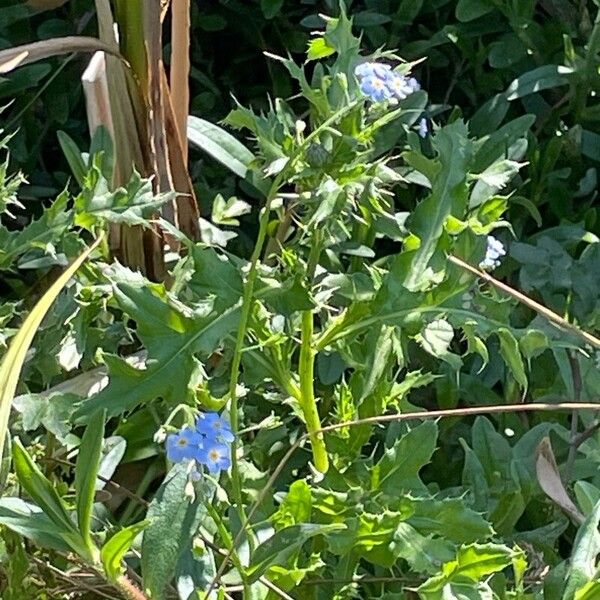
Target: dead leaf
(550, 481)
(12, 58)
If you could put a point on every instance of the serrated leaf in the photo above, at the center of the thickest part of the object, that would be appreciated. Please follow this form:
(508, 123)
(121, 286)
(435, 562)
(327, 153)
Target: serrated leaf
(132, 204)
(437, 337)
(448, 197)
(495, 178)
(283, 544)
(398, 469)
(172, 335)
(319, 48)
(53, 223)
(472, 563)
(450, 518)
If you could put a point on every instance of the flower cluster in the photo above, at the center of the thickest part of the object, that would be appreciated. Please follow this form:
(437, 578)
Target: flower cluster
(207, 443)
(379, 82)
(494, 251)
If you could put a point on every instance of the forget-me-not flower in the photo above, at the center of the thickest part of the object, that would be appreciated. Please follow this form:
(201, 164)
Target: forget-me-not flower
(379, 83)
(216, 457)
(375, 88)
(184, 445)
(494, 251)
(213, 426)
(207, 444)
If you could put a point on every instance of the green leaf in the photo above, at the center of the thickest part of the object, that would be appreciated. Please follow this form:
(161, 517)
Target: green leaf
(283, 544)
(219, 144)
(472, 563)
(296, 506)
(586, 548)
(42, 233)
(13, 360)
(495, 178)
(33, 481)
(270, 8)
(497, 144)
(469, 10)
(319, 48)
(174, 520)
(538, 79)
(172, 334)
(588, 495)
(533, 343)
(117, 546)
(509, 348)
(448, 197)
(398, 469)
(73, 156)
(132, 204)
(450, 518)
(590, 591)
(31, 522)
(215, 274)
(88, 462)
(39, 488)
(436, 338)
(492, 449)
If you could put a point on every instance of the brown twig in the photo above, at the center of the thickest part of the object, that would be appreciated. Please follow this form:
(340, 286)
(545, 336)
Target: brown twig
(131, 495)
(434, 414)
(535, 306)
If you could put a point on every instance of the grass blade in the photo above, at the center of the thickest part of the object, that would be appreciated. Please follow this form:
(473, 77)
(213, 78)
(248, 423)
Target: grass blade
(12, 363)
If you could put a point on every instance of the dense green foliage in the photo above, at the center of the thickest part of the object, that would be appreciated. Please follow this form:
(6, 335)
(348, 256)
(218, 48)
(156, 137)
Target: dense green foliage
(326, 290)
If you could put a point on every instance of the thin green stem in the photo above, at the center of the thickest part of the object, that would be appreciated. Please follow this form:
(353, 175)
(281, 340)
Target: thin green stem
(247, 301)
(228, 541)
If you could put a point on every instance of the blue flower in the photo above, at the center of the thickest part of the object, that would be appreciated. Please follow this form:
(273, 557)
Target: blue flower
(185, 445)
(372, 69)
(215, 457)
(212, 426)
(494, 251)
(375, 88)
(398, 85)
(423, 127)
(413, 84)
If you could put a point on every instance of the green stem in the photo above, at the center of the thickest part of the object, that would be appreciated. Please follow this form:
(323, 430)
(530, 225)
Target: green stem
(237, 354)
(306, 367)
(308, 402)
(247, 301)
(228, 541)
